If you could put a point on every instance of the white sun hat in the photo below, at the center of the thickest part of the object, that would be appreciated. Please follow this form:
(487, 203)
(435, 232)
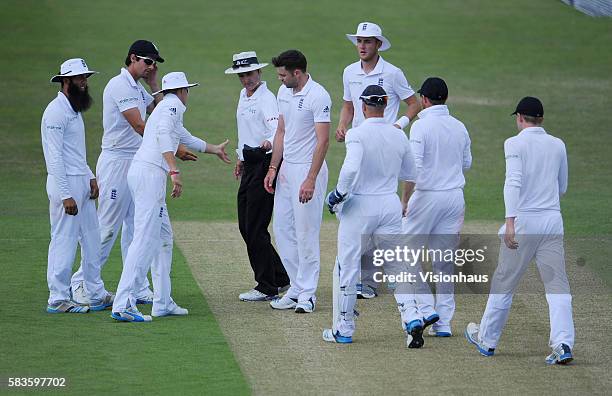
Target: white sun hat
(73, 67)
(245, 62)
(369, 29)
(175, 80)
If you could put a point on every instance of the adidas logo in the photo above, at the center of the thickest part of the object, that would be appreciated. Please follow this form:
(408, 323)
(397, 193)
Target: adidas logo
(326, 109)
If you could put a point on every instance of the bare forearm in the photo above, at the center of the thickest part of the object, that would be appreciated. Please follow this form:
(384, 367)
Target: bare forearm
(408, 189)
(414, 107)
(317, 159)
(346, 115)
(170, 160)
(277, 153)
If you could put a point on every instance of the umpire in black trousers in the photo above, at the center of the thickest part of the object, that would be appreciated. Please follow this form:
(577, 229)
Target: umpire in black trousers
(257, 119)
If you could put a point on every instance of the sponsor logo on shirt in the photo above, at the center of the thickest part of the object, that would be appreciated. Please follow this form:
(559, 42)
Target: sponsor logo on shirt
(512, 156)
(52, 127)
(128, 100)
(354, 82)
(283, 100)
(113, 194)
(271, 119)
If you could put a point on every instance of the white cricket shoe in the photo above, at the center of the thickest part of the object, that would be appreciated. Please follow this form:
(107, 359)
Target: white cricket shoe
(305, 306)
(255, 295)
(561, 354)
(131, 314)
(176, 311)
(146, 297)
(329, 336)
(472, 334)
(79, 294)
(283, 303)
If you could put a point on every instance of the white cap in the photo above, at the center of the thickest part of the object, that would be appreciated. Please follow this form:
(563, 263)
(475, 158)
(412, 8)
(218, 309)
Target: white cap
(369, 29)
(73, 67)
(174, 80)
(245, 62)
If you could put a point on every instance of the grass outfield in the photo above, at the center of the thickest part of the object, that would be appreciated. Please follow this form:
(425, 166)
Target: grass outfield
(490, 53)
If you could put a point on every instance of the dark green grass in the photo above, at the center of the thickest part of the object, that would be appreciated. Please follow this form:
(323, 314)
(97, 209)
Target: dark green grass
(490, 53)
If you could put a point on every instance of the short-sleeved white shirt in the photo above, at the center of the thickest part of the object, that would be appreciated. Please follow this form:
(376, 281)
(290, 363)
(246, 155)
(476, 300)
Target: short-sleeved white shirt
(391, 78)
(120, 94)
(257, 118)
(300, 112)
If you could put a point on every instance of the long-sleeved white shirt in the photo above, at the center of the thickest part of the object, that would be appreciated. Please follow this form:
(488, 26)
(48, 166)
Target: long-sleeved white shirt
(164, 132)
(536, 172)
(257, 118)
(378, 155)
(441, 147)
(63, 140)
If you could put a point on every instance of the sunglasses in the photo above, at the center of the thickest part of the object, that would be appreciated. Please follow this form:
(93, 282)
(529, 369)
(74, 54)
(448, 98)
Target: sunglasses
(147, 61)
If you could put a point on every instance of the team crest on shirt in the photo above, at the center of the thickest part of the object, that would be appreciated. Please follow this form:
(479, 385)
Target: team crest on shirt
(143, 97)
(380, 82)
(301, 104)
(113, 194)
(161, 211)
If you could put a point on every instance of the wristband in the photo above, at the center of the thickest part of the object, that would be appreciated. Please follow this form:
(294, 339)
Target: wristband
(403, 122)
(272, 167)
(174, 172)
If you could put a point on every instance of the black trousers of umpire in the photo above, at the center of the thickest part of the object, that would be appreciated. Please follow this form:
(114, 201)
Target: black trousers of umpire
(255, 206)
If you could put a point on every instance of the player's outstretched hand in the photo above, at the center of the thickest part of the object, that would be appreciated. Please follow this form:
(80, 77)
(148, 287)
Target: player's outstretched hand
(219, 150)
(184, 154)
(333, 199)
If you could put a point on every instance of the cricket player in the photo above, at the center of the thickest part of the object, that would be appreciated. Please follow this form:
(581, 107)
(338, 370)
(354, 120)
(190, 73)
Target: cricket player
(152, 244)
(372, 69)
(536, 178)
(124, 107)
(378, 155)
(434, 212)
(257, 119)
(301, 141)
(72, 190)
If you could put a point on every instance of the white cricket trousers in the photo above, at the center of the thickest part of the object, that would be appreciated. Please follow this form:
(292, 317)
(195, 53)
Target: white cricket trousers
(434, 221)
(297, 227)
(153, 241)
(368, 221)
(115, 210)
(540, 238)
(66, 232)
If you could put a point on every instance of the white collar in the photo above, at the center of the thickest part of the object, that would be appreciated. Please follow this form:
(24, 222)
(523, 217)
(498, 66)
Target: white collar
(378, 69)
(129, 77)
(436, 110)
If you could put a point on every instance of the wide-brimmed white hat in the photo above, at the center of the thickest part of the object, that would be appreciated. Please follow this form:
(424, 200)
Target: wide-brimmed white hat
(369, 29)
(73, 67)
(245, 62)
(175, 80)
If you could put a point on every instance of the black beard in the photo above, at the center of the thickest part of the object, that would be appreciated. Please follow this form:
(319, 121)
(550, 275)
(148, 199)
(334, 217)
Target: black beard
(79, 100)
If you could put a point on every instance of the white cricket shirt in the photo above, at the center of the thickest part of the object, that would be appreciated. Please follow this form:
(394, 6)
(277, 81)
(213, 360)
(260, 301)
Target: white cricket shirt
(120, 94)
(536, 172)
(164, 131)
(257, 118)
(441, 147)
(63, 139)
(300, 112)
(378, 155)
(391, 78)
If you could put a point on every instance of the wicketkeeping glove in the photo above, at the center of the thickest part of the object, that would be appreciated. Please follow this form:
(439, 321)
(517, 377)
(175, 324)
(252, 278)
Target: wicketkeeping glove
(333, 199)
